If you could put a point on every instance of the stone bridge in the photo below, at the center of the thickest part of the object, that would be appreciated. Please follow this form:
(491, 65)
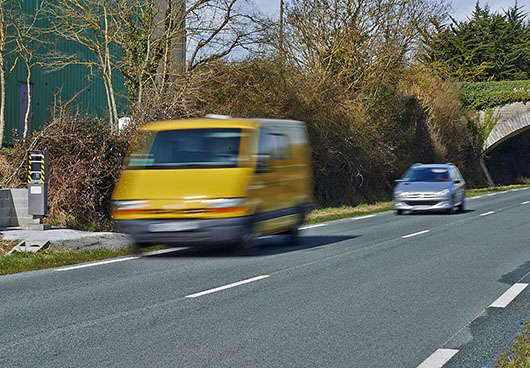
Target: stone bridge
(513, 119)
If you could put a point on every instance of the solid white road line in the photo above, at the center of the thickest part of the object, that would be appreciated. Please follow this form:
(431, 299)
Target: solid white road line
(312, 226)
(491, 194)
(508, 296)
(477, 197)
(487, 213)
(415, 234)
(95, 264)
(438, 358)
(363, 217)
(525, 202)
(226, 286)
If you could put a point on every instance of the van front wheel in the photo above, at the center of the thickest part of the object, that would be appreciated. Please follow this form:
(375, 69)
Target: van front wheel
(248, 242)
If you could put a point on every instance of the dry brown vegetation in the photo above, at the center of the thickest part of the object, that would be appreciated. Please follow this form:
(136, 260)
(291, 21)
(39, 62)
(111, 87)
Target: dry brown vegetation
(84, 164)
(347, 70)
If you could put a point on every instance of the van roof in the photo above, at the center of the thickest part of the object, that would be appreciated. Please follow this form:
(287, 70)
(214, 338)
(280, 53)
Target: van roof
(201, 123)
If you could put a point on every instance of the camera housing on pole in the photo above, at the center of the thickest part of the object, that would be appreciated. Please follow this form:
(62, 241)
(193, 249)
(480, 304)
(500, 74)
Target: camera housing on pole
(38, 185)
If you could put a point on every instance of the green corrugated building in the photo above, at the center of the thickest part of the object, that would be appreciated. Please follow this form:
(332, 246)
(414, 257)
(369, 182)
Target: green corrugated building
(49, 86)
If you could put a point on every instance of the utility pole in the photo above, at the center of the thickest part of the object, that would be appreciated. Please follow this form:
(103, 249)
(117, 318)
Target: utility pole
(281, 30)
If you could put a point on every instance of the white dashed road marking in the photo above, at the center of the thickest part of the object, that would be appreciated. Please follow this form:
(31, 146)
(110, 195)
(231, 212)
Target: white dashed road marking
(415, 234)
(95, 264)
(363, 217)
(227, 286)
(525, 202)
(438, 358)
(312, 226)
(508, 296)
(487, 213)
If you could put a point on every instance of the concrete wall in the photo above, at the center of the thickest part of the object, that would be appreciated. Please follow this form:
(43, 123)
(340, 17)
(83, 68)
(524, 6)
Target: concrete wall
(14, 208)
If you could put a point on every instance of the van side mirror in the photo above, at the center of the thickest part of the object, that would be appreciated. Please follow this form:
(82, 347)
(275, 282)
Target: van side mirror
(263, 163)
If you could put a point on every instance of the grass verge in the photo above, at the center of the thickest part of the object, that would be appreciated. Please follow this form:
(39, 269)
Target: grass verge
(20, 262)
(518, 355)
(336, 213)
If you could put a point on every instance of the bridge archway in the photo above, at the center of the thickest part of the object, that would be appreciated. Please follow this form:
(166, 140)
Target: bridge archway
(513, 119)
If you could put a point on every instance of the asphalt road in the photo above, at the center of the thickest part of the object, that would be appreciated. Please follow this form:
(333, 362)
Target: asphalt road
(375, 291)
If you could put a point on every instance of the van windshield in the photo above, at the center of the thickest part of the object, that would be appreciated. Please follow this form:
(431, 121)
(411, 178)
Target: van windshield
(187, 148)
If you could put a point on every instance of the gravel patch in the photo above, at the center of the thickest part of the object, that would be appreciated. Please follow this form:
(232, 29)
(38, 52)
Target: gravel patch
(61, 238)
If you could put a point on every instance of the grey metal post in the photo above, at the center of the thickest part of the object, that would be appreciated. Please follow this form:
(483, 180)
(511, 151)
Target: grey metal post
(37, 185)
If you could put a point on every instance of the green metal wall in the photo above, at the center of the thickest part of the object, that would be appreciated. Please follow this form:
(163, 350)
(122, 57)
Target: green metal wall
(62, 84)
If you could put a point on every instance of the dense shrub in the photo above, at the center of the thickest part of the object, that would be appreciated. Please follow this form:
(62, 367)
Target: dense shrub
(484, 95)
(359, 146)
(84, 163)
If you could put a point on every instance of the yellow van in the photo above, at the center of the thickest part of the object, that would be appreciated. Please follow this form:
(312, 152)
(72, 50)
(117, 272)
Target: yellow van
(214, 181)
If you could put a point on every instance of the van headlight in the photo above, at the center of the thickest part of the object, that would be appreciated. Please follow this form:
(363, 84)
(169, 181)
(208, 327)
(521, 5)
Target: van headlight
(442, 192)
(400, 193)
(128, 208)
(223, 202)
(129, 205)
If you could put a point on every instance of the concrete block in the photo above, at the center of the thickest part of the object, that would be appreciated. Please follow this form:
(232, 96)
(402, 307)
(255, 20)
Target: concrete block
(36, 227)
(30, 246)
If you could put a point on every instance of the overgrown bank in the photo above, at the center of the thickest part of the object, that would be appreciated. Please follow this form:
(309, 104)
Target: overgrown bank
(371, 109)
(359, 147)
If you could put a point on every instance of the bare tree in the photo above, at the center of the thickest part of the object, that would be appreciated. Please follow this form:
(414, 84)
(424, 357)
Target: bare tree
(355, 39)
(27, 37)
(5, 50)
(93, 26)
(158, 34)
(3, 40)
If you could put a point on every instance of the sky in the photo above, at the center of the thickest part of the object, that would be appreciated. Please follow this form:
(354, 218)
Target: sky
(461, 8)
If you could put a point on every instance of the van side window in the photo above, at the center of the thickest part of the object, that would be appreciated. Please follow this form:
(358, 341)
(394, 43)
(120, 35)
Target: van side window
(273, 144)
(281, 147)
(266, 143)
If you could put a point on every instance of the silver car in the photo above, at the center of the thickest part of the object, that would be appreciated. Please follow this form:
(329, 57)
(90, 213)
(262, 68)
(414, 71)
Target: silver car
(430, 187)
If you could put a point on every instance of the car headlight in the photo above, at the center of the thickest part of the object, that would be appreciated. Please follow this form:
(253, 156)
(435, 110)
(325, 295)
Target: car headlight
(442, 192)
(223, 202)
(400, 193)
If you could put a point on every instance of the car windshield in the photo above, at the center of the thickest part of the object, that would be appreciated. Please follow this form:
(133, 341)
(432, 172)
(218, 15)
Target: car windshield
(187, 148)
(427, 175)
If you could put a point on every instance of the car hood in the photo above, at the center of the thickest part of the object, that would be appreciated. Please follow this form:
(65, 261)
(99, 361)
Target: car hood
(423, 186)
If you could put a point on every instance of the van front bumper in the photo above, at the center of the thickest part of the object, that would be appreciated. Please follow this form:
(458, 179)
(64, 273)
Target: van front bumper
(186, 232)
